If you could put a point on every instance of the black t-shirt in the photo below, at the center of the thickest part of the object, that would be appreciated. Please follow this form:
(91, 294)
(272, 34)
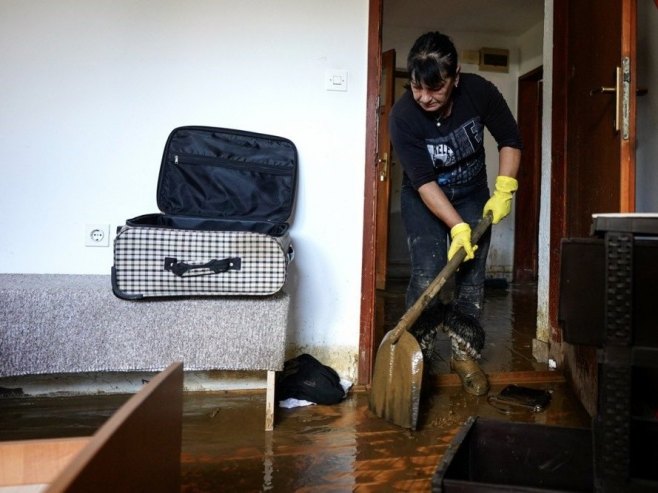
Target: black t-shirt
(451, 150)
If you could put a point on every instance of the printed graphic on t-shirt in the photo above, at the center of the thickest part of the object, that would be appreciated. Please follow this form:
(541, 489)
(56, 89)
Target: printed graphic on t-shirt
(442, 154)
(458, 156)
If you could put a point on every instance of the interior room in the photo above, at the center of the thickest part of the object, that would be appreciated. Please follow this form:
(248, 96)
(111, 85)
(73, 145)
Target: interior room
(112, 384)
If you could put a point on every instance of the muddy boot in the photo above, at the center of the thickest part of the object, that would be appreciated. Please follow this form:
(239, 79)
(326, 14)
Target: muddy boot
(467, 341)
(474, 381)
(426, 328)
(426, 343)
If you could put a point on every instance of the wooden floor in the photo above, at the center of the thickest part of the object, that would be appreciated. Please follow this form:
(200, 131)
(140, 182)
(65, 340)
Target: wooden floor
(327, 448)
(334, 448)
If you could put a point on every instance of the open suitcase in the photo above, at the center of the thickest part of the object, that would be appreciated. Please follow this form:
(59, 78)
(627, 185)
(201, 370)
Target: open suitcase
(225, 197)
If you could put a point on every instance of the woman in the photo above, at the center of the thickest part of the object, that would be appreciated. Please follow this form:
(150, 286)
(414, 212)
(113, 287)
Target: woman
(437, 129)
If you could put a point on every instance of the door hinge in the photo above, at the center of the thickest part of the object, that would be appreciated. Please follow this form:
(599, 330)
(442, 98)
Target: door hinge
(626, 98)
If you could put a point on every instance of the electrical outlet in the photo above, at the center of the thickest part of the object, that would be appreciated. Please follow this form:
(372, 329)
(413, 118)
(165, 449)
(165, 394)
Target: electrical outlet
(97, 235)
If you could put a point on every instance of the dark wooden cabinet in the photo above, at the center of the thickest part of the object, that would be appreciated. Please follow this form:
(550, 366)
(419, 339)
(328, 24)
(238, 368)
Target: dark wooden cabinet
(608, 300)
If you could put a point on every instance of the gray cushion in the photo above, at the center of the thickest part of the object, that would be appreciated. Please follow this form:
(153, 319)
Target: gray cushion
(74, 323)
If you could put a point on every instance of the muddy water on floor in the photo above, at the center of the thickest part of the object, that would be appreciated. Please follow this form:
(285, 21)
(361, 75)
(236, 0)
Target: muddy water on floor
(317, 448)
(509, 318)
(23, 418)
(332, 448)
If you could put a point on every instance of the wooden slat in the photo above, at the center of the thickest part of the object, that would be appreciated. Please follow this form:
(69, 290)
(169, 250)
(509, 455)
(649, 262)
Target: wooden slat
(36, 461)
(503, 378)
(627, 147)
(138, 448)
(269, 401)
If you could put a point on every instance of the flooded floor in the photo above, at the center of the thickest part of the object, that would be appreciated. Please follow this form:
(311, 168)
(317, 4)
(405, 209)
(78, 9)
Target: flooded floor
(508, 317)
(334, 448)
(343, 447)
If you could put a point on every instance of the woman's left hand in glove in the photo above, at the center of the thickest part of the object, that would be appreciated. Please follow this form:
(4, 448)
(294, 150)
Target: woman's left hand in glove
(500, 203)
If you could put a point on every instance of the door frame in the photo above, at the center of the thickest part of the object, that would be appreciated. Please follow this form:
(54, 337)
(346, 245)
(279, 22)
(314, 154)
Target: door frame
(384, 162)
(557, 217)
(367, 319)
(368, 274)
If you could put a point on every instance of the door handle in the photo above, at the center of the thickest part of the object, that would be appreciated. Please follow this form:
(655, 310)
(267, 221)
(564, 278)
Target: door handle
(616, 90)
(603, 90)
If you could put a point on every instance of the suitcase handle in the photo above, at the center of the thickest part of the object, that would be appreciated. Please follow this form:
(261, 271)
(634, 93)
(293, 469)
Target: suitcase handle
(217, 266)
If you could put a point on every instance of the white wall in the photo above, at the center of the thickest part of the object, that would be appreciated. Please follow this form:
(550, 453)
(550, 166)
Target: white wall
(647, 108)
(90, 89)
(531, 44)
(544, 252)
(525, 55)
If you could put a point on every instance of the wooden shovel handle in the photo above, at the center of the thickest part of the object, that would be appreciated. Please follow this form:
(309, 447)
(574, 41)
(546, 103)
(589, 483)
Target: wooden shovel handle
(435, 286)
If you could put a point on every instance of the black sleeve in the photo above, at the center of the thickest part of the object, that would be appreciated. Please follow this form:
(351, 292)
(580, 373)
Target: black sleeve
(412, 151)
(498, 118)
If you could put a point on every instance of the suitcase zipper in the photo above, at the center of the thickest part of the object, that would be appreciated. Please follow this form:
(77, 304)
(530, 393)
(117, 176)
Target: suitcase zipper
(182, 160)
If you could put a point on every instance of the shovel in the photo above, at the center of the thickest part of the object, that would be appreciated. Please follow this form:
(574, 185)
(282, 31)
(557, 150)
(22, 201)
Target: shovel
(398, 373)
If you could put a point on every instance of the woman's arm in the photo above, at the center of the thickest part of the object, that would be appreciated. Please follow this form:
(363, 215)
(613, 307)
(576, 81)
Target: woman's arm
(436, 201)
(509, 160)
(460, 232)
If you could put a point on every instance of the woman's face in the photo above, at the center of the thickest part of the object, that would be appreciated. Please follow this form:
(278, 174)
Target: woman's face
(434, 98)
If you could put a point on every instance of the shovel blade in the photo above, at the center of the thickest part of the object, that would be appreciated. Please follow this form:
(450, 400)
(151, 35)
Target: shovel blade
(397, 380)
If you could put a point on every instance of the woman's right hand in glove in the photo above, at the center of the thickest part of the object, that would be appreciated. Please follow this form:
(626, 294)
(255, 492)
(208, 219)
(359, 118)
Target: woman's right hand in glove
(460, 235)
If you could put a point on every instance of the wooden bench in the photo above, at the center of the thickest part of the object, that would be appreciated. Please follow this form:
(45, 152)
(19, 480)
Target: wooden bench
(58, 323)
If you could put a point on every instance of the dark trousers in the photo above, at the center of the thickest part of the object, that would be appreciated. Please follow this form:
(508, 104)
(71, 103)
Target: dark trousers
(428, 241)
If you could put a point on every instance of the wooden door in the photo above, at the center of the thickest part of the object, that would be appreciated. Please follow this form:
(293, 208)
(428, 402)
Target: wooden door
(593, 118)
(598, 126)
(593, 139)
(386, 99)
(526, 220)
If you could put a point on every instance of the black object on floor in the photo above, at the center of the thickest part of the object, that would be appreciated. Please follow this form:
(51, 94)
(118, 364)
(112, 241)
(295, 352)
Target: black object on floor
(514, 399)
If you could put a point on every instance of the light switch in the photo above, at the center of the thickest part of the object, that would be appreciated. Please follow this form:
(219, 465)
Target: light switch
(335, 80)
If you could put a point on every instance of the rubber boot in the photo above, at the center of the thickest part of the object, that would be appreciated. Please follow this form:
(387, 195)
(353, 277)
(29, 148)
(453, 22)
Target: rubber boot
(474, 381)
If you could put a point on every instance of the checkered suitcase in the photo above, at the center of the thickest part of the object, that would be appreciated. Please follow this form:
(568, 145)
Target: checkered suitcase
(225, 198)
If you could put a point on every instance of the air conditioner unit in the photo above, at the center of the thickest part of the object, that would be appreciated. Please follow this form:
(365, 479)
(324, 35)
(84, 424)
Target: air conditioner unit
(494, 59)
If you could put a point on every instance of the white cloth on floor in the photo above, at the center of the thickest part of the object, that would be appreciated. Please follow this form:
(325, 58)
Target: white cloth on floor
(292, 402)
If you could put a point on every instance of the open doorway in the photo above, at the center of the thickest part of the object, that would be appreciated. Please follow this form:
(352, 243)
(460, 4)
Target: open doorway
(474, 26)
(526, 219)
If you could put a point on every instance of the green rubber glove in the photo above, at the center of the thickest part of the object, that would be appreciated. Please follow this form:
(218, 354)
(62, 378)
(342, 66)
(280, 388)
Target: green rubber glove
(461, 237)
(500, 203)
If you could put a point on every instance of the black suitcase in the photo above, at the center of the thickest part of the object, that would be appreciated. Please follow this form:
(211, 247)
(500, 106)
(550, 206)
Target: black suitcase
(226, 197)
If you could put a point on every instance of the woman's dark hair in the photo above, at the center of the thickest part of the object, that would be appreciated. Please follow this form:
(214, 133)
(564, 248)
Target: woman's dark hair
(432, 59)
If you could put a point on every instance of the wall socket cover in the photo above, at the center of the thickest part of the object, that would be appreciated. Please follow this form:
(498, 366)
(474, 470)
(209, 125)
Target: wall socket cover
(97, 235)
(335, 80)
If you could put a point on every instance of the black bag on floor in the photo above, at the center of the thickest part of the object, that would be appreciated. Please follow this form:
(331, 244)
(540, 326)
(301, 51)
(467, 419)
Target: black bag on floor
(305, 378)
(226, 197)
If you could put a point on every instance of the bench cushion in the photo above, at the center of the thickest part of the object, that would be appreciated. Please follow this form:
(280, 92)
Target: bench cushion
(58, 323)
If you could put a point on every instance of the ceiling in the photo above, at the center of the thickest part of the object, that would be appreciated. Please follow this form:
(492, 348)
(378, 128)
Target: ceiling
(501, 17)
